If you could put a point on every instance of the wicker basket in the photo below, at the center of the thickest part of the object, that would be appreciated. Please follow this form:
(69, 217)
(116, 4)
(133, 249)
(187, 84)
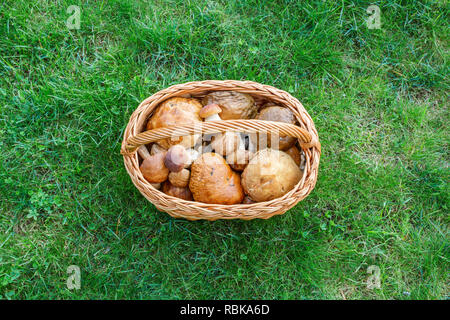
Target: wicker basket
(134, 137)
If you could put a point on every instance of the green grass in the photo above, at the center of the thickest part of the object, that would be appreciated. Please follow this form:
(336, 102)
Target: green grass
(378, 99)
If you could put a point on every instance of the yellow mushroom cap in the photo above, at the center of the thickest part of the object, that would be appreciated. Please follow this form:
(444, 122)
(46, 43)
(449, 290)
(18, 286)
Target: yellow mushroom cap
(269, 175)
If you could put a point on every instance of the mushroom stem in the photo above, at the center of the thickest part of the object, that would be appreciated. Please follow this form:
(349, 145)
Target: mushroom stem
(156, 148)
(143, 152)
(226, 142)
(251, 146)
(210, 112)
(193, 155)
(214, 117)
(241, 145)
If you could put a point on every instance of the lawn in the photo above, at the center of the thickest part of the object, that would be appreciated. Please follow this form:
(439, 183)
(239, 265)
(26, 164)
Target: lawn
(378, 97)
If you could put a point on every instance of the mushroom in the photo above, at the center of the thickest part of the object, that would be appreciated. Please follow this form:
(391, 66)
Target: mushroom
(274, 113)
(269, 175)
(156, 185)
(210, 112)
(234, 105)
(222, 143)
(239, 159)
(178, 158)
(174, 112)
(227, 142)
(302, 160)
(182, 193)
(201, 147)
(267, 104)
(156, 148)
(152, 166)
(213, 181)
(294, 153)
(180, 179)
(193, 155)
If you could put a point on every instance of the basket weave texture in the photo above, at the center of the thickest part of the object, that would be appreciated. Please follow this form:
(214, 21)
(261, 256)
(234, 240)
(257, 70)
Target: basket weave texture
(135, 136)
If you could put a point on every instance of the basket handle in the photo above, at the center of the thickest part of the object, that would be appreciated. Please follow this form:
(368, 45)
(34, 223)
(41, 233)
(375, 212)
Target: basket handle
(282, 129)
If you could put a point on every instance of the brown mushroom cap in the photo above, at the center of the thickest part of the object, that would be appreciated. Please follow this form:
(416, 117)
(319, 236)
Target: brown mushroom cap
(173, 112)
(209, 110)
(213, 181)
(171, 190)
(239, 159)
(224, 143)
(267, 104)
(176, 158)
(156, 185)
(294, 153)
(180, 179)
(234, 105)
(269, 175)
(153, 168)
(276, 113)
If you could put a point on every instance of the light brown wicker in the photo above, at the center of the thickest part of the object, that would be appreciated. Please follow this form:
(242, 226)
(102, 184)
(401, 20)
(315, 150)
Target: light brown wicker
(134, 137)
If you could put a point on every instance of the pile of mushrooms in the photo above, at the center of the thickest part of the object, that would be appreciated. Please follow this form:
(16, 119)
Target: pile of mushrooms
(223, 168)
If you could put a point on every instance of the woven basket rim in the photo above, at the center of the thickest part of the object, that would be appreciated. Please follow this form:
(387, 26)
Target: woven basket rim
(193, 210)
